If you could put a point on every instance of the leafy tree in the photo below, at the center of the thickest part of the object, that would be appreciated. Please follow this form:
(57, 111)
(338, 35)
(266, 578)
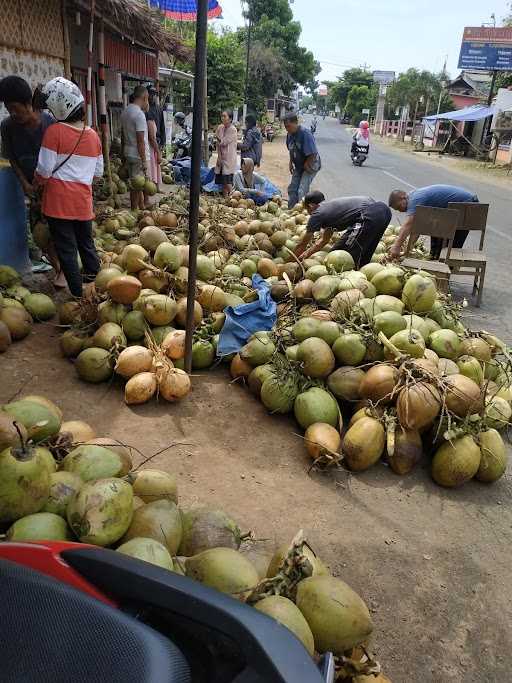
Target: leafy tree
(420, 91)
(267, 71)
(226, 73)
(340, 89)
(360, 97)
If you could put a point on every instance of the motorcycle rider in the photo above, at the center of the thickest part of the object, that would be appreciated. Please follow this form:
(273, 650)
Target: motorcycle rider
(179, 120)
(361, 138)
(313, 125)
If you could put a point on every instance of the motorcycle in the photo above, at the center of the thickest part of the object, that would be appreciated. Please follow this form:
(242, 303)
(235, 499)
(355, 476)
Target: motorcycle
(74, 612)
(359, 155)
(313, 126)
(269, 132)
(182, 144)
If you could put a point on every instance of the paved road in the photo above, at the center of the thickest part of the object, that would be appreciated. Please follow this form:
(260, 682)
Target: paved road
(388, 169)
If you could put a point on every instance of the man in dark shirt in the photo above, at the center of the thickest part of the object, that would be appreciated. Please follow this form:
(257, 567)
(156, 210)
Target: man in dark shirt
(362, 218)
(251, 145)
(156, 114)
(304, 158)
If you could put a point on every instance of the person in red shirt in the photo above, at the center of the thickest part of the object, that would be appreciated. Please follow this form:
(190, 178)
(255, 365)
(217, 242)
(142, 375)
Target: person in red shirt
(69, 159)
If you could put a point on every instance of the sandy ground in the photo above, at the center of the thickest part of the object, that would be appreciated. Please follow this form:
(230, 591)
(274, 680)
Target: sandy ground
(434, 565)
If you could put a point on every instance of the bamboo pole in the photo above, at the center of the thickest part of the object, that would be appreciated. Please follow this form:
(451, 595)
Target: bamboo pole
(195, 182)
(90, 49)
(102, 105)
(65, 35)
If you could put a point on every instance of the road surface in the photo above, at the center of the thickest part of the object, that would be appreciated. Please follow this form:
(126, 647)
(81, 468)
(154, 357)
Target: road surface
(389, 169)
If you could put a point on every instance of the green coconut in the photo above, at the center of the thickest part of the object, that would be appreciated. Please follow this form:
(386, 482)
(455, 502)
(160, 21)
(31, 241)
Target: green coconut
(419, 294)
(101, 511)
(316, 405)
(365, 309)
(104, 276)
(497, 412)
(151, 236)
(91, 461)
(94, 365)
(11, 434)
(41, 421)
(110, 312)
(343, 302)
(325, 288)
(9, 276)
(5, 335)
(259, 349)
(338, 618)
(445, 343)
(329, 331)
(316, 357)
(159, 309)
(205, 528)
(134, 325)
(471, 367)
(24, 482)
(167, 257)
(160, 520)
(456, 462)
(389, 280)
(409, 341)
(63, 486)
(40, 306)
(349, 349)
(389, 303)
(71, 343)
(258, 376)
(40, 526)
(288, 614)
(225, 569)
(371, 269)
(345, 383)
(206, 269)
(203, 354)
(152, 485)
(149, 550)
(493, 460)
(315, 272)
(109, 336)
(339, 261)
(389, 322)
(477, 347)
(278, 396)
(305, 328)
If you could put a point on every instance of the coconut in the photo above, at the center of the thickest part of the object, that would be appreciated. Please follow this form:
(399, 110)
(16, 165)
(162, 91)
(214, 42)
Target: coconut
(149, 550)
(168, 257)
(305, 328)
(316, 405)
(5, 336)
(389, 322)
(463, 396)
(447, 367)
(225, 569)
(159, 309)
(101, 511)
(104, 276)
(349, 349)
(40, 306)
(389, 303)
(278, 396)
(286, 613)
(124, 289)
(371, 269)
(379, 384)
(133, 360)
(493, 452)
(9, 435)
(497, 412)
(24, 482)
(41, 421)
(363, 444)
(325, 288)
(212, 298)
(345, 383)
(110, 312)
(134, 258)
(316, 272)
(173, 344)
(322, 439)
(17, 320)
(151, 236)
(173, 384)
(456, 462)
(239, 368)
(140, 388)
(259, 349)
(160, 520)
(316, 357)
(203, 354)
(418, 405)
(9, 276)
(389, 281)
(152, 485)
(337, 617)
(476, 347)
(409, 341)
(63, 486)
(419, 294)
(109, 336)
(339, 261)
(93, 461)
(445, 343)
(134, 325)
(181, 313)
(71, 343)
(40, 526)
(94, 365)
(471, 367)
(280, 557)
(257, 377)
(408, 449)
(205, 528)
(329, 331)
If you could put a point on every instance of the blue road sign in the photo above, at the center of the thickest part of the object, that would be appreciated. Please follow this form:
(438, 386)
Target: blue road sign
(485, 56)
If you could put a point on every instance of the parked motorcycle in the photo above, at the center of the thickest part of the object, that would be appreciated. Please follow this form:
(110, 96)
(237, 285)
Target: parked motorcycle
(358, 155)
(72, 612)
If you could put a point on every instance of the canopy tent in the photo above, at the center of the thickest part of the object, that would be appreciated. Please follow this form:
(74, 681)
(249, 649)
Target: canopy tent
(186, 10)
(474, 113)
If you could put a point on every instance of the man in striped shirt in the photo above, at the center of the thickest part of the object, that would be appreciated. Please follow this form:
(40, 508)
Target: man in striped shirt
(69, 160)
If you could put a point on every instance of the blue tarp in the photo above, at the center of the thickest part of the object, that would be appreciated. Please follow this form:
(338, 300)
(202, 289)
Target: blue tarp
(269, 190)
(474, 113)
(182, 172)
(246, 319)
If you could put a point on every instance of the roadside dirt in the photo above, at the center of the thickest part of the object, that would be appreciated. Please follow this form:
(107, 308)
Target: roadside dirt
(433, 565)
(274, 163)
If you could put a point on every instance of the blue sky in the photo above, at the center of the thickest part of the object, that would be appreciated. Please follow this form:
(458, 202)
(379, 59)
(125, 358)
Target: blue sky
(392, 35)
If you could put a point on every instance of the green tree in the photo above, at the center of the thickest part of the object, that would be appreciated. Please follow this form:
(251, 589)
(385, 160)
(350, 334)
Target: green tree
(340, 89)
(420, 91)
(359, 97)
(226, 73)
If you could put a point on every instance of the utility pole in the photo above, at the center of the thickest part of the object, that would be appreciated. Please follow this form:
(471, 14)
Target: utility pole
(442, 82)
(247, 59)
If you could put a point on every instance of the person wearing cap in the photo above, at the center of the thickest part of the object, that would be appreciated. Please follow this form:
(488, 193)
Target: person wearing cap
(69, 160)
(304, 158)
(362, 219)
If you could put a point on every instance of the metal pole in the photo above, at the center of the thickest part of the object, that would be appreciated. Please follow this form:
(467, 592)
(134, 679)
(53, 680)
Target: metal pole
(206, 155)
(195, 182)
(67, 49)
(491, 91)
(247, 61)
(90, 49)
(102, 105)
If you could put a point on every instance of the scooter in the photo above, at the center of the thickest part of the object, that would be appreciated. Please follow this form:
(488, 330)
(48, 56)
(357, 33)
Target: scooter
(313, 126)
(359, 155)
(74, 612)
(269, 132)
(182, 144)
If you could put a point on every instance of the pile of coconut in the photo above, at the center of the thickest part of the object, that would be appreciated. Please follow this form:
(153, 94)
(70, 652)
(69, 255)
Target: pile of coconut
(59, 482)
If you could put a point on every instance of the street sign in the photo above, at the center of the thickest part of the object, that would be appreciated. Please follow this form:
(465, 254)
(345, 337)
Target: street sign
(486, 48)
(365, 111)
(384, 77)
(322, 90)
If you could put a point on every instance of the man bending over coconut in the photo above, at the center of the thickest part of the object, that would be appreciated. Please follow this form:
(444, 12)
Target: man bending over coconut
(362, 218)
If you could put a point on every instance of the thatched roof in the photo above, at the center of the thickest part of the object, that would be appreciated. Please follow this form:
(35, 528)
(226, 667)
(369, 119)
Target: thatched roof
(136, 21)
